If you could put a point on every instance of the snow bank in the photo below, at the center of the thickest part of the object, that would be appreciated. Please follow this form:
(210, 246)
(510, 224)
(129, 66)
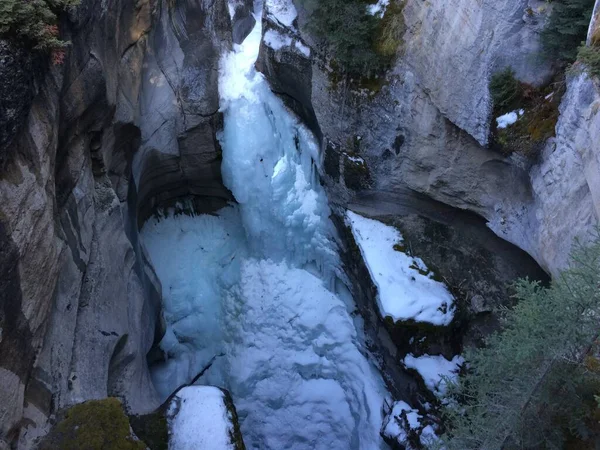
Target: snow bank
(198, 419)
(378, 9)
(283, 11)
(404, 292)
(509, 118)
(276, 40)
(433, 369)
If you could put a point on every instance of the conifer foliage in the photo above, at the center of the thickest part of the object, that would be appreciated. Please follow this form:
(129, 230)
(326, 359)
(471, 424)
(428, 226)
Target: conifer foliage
(567, 28)
(534, 384)
(33, 22)
(347, 32)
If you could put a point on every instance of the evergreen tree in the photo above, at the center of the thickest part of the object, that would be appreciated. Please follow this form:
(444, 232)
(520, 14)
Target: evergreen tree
(567, 28)
(533, 385)
(33, 21)
(347, 32)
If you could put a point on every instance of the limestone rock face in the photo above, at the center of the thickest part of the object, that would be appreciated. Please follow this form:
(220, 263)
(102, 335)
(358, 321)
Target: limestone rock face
(566, 182)
(126, 125)
(179, 154)
(453, 47)
(289, 69)
(427, 126)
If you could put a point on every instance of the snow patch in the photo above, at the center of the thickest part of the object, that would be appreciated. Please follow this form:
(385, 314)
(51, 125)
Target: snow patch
(378, 9)
(404, 422)
(509, 118)
(198, 418)
(434, 370)
(283, 11)
(276, 40)
(404, 290)
(304, 49)
(356, 159)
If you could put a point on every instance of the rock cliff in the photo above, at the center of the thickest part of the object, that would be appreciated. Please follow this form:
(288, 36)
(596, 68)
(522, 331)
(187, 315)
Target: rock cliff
(426, 125)
(89, 150)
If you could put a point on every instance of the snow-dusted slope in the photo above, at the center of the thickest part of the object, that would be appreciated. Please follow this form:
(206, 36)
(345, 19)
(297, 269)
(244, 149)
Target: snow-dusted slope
(256, 291)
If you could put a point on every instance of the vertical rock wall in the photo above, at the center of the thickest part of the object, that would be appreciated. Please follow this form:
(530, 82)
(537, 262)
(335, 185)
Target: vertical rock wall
(128, 124)
(426, 127)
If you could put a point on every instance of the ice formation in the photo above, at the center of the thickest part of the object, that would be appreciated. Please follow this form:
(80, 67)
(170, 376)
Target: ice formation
(255, 292)
(283, 11)
(406, 289)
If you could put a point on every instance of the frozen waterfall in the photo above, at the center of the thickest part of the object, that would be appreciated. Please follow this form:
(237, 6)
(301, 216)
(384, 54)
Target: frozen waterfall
(254, 291)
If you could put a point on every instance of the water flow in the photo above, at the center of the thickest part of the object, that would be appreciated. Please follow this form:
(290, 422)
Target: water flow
(246, 291)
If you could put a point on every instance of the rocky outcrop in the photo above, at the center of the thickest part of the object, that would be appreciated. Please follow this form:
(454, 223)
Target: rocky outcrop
(566, 182)
(452, 48)
(127, 125)
(179, 154)
(288, 68)
(425, 126)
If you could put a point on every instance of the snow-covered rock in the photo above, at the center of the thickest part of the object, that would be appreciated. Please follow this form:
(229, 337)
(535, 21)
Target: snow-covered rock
(203, 417)
(406, 289)
(435, 370)
(403, 426)
(378, 9)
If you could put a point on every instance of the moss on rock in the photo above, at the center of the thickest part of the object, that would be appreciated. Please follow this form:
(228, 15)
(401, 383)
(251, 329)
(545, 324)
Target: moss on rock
(152, 429)
(529, 133)
(235, 434)
(93, 425)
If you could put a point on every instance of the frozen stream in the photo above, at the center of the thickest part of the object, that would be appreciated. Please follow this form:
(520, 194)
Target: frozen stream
(255, 290)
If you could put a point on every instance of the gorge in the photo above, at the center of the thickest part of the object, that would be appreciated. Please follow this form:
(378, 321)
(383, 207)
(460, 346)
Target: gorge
(185, 199)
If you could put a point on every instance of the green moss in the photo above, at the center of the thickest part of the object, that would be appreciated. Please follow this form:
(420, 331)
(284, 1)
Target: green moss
(400, 247)
(93, 425)
(356, 174)
(590, 56)
(390, 31)
(540, 105)
(235, 435)
(152, 429)
(505, 90)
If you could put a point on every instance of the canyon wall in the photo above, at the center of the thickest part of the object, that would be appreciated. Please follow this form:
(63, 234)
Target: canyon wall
(426, 126)
(90, 148)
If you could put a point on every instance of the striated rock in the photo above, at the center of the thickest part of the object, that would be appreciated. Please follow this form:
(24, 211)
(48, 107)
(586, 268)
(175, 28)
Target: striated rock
(126, 125)
(566, 182)
(179, 153)
(288, 68)
(243, 21)
(453, 47)
(425, 125)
